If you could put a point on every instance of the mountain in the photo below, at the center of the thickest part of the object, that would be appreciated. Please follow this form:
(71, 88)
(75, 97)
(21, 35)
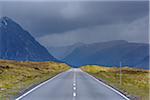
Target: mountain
(110, 53)
(62, 52)
(17, 44)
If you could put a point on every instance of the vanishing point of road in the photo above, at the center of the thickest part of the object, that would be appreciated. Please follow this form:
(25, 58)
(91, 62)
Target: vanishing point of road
(73, 85)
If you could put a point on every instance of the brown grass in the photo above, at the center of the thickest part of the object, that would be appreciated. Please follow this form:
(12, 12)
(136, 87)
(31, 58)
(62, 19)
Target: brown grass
(15, 77)
(135, 82)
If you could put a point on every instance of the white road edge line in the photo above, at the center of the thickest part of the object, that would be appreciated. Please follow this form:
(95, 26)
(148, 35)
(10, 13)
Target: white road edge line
(107, 86)
(23, 95)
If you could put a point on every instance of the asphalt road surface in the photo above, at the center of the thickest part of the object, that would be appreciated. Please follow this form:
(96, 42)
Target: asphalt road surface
(73, 85)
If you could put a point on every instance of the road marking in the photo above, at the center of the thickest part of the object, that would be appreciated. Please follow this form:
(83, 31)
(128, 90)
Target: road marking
(74, 94)
(107, 86)
(74, 84)
(74, 88)
(74, 76)
(38, 86)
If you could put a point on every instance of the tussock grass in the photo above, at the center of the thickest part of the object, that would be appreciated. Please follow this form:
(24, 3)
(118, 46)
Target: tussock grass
(15, 77)
(135, 82)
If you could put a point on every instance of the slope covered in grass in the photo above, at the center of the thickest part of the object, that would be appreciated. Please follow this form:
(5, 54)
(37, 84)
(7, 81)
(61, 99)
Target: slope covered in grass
(134, 82)
(16, 77)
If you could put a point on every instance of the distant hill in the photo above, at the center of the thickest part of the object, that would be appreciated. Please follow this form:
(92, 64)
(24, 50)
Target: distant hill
(110, 54)
(18, 44)
(62, 52)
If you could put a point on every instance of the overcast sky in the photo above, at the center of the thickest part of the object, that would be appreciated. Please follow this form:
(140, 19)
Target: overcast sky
(65, 23)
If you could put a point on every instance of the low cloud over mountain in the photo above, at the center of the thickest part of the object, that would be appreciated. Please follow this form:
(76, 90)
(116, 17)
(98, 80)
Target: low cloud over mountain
(64, 23)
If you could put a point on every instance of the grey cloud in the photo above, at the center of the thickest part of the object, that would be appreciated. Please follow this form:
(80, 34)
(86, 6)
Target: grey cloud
(42, 18)
(135, 31)
(65, 23)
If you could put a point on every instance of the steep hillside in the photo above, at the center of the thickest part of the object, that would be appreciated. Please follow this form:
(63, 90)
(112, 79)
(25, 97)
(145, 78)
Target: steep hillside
(18, 44)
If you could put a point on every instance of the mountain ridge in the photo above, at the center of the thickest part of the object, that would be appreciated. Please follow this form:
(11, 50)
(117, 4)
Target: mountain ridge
(18, 44)
(110, 53)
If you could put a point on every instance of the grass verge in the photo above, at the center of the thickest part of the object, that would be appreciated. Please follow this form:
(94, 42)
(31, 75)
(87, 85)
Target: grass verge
(16, 77)
(134, 82)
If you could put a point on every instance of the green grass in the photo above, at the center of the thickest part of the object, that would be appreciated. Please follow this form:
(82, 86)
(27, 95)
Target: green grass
(135, 82)
(16, 77)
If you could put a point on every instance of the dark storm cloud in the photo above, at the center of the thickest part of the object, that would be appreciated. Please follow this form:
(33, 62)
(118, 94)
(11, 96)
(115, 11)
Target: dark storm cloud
(42, 18)
(65, 23)
(135, 31)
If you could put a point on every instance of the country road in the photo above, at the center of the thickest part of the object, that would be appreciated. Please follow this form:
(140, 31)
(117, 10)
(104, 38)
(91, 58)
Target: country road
(73, 85)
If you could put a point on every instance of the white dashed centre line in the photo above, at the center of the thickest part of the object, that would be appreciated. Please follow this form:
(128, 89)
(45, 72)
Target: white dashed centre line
(74, 85)
(74, 88)
(74, 94)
